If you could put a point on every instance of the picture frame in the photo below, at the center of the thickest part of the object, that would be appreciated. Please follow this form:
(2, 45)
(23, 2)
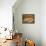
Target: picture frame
(28, 18)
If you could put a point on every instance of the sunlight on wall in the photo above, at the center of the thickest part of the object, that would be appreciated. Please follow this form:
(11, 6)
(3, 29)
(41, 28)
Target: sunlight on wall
(6, 13)
(6, 18)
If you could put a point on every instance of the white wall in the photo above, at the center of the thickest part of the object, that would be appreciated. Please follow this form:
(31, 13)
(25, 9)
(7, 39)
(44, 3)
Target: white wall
(31, 31)
(43, 22)
(6, 13)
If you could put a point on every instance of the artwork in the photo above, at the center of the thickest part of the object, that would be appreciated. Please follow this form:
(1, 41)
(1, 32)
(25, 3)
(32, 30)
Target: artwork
(28, 18)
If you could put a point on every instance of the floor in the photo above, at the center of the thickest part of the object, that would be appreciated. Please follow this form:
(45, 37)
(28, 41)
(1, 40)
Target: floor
(9, 43)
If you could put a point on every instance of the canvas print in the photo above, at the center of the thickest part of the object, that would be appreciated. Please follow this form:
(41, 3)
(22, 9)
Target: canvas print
(28, 18)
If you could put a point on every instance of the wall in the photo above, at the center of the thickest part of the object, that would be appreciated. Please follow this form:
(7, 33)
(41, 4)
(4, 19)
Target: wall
(43, 22)
(6, 13)
(30, 31)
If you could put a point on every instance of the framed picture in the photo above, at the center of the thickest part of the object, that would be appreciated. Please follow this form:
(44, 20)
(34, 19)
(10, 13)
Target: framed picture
(28, 18)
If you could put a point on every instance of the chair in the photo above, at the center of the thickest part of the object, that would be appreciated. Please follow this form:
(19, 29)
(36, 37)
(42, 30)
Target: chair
(18, 39)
